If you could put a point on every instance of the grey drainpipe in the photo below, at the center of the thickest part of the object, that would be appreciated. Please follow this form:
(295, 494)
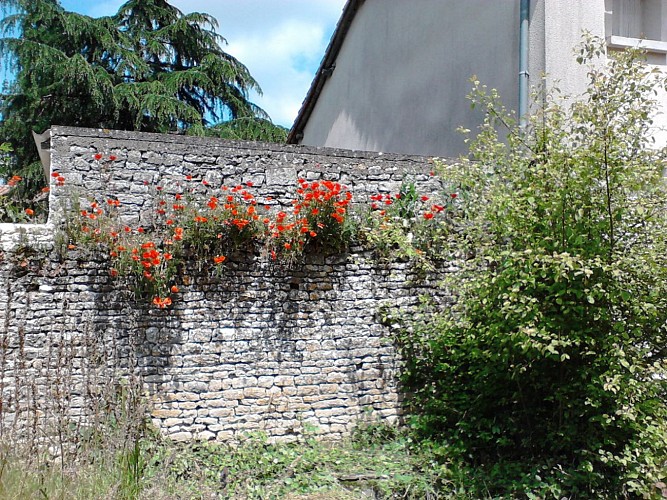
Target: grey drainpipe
(523, 61)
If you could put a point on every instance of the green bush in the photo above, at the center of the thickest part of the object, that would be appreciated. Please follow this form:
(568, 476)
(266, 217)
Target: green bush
(548, 377)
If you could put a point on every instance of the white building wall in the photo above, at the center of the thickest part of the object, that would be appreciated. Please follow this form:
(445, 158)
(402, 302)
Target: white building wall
(556, 29)
(404, 70)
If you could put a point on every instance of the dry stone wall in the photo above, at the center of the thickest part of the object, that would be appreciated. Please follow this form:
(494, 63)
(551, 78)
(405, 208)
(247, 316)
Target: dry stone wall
(262, 347)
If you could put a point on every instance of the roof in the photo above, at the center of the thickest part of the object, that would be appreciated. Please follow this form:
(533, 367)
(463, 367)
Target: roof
(325, 70)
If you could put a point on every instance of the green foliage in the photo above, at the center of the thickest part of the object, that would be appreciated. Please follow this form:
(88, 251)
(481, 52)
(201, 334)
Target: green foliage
(549, 375)
(14, 189)
(378, 459)
(408, 225)
(149, 68)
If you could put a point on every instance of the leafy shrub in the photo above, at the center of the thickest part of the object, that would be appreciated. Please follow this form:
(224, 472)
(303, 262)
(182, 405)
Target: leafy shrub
(549, 376)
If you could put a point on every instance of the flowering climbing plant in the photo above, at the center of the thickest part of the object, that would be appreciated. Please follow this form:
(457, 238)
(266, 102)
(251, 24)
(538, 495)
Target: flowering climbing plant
(410, 225)
(193, 221)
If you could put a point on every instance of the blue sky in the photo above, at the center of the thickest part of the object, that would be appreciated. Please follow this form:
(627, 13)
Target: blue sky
(280, 41)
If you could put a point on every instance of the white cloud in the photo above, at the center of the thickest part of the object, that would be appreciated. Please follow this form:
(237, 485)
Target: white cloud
(283, 61)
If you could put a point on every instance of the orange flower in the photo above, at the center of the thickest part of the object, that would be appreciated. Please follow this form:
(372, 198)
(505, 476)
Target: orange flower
(174, 289)
(30, 212)
(219, 259)
(287, 246)
(162, 303)
(14, 180)
(46, 189)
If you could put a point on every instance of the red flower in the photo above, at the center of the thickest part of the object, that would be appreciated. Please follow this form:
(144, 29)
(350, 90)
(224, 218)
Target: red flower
(428, 215)
(113, 157)
(437, 208)
(424, 198)
(219, 259)
(30, 212)
(98, 156)
(162, 303)
(454, 195)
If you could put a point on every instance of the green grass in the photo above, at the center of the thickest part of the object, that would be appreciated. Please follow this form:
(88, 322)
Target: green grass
(377, 462)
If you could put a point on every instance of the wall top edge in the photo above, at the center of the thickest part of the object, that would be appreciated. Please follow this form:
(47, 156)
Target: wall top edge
(60, 131)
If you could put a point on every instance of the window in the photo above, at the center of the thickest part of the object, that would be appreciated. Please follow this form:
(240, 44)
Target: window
(643, 23)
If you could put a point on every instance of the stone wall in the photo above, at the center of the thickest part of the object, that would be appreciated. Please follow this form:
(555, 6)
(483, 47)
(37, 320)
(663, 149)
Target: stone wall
(263, 347)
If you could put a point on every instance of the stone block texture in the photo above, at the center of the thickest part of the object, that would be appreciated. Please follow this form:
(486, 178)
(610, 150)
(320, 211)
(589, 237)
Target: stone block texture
(262, 347)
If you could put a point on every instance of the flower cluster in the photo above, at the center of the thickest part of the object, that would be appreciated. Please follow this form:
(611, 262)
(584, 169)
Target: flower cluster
(12, 201)
(317, 217)
(192, 220)
(408, 224)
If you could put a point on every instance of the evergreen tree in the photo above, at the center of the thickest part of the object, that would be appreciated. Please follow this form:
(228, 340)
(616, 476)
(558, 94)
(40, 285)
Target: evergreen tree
(149, 68)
